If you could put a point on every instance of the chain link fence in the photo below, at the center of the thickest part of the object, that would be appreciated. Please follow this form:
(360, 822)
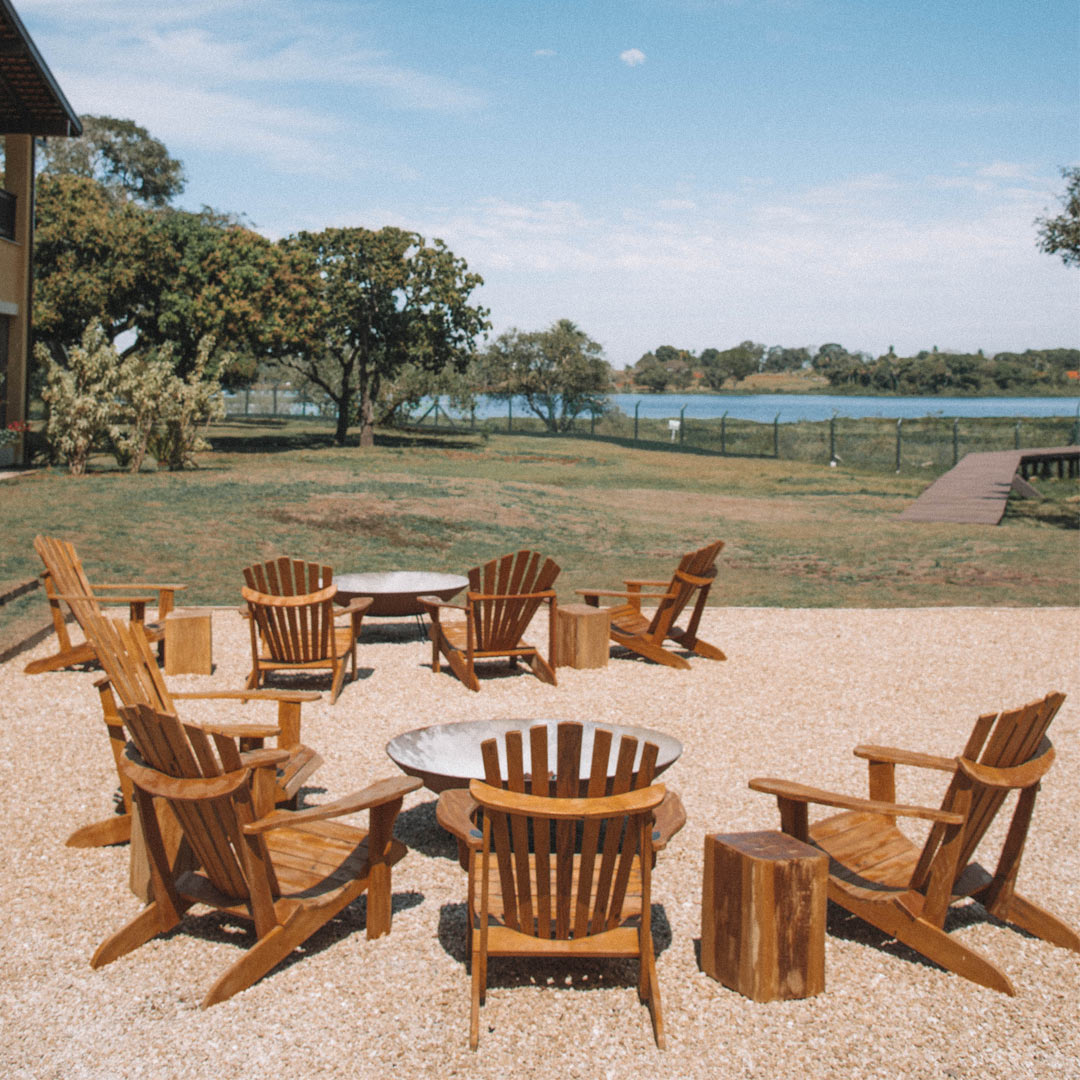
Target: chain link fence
(928, 445)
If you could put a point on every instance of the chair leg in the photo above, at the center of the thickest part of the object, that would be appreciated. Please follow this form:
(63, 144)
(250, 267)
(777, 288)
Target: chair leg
(651, 652)
(649, 988)
(1040, 922)
(462, 670)
(479, 986)
(113, 830)
(542, 669)
(78, 654)
(930, 941)
(150, 922)
(696, 645)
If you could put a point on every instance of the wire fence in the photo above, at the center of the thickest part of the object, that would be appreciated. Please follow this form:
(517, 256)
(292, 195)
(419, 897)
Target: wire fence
(928, 445)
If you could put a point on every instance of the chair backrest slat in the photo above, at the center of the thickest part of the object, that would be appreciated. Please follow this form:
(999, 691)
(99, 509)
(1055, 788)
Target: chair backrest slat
(581, 891)
(183, 752)
(508, 582)
(698, 564)
(295, 628)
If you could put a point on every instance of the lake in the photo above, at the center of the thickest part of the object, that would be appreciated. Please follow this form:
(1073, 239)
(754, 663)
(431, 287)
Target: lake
(794, 407)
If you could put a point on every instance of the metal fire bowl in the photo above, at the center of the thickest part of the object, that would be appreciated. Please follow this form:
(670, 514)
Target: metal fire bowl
(448, 755)
(396, 592)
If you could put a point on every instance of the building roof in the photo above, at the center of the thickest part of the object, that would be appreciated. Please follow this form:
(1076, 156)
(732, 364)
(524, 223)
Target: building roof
(31, 102)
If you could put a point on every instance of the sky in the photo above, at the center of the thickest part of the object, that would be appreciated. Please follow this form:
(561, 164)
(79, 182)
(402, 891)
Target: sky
(685, 172)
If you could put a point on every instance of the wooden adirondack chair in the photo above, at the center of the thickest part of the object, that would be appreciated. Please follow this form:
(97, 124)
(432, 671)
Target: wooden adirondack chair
(133, 678)
(292, 613)
(66, 583)
(561, 898)
(287, 871)
(502, 598)
(645, 636)
(878, 874)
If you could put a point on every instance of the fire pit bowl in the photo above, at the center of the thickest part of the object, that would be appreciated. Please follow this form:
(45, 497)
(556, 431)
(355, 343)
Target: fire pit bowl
(396, 592)
(448, 755)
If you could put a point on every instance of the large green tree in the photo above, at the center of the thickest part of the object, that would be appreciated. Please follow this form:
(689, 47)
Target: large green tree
(109, 250)
(383, 299)
(559, 372)
(1061, 235)
(120, 155)
(717, 366)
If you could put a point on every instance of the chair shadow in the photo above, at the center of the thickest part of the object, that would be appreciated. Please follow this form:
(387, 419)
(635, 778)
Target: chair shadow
(840, 923)
(318, 681)
(576, 973)
(224, 928)
(418, 830)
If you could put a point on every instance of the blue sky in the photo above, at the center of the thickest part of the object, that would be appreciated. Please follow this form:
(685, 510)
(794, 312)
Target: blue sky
(684, 172)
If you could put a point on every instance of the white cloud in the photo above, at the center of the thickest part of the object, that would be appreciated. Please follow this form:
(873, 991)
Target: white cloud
(544, 52)
(632, 57)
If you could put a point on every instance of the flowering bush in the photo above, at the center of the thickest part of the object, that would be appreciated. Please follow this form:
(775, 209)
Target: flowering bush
(13, 432)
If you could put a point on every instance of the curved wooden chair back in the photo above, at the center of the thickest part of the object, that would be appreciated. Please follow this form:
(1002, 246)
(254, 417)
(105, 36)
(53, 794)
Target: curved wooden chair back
(552, 887)
(1006, 751)
(504, 595)
(294, 629)
(694, 574)
(287, 577)
(205, 785)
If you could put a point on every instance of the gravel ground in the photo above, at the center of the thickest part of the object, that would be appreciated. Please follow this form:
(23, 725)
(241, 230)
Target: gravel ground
(800, 689)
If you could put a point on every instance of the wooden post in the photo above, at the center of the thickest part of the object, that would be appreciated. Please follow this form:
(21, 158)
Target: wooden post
(581, 636)
(763, 915)
(189, 642)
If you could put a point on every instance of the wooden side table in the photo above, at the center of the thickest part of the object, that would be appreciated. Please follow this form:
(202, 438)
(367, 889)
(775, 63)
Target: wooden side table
(763, 915)
(581, 636)
(189, 642)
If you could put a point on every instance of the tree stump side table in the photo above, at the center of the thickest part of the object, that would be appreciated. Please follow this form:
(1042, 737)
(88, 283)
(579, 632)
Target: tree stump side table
(763, 915)
(581, 636)
(189, 642)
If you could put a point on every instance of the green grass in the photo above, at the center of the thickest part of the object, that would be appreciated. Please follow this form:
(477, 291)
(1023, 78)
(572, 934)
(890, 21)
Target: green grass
(797, 534)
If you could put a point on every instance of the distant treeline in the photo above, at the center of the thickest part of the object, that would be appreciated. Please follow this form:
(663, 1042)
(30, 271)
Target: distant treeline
(927, 372)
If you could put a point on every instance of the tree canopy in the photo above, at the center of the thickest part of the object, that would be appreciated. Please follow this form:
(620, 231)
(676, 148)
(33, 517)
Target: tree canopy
(383, 299)
(120, 155)
(1061, 235)
(559, 372)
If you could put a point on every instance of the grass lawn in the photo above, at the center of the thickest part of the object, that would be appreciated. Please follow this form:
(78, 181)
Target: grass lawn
(797, 534)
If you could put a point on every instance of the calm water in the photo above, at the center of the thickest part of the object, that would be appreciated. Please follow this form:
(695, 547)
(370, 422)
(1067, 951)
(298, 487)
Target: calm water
(760, 407)
(794, 407)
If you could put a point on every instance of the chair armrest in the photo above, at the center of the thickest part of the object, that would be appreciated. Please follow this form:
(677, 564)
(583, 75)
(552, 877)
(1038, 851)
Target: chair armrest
(240, 731)
(377, 794)
(905, 757)
(430, 602)
(101, 599)
(784, 789)
(547, 594)
(141, 585)
(627, 595)
(454, 812)
(247, 695)
(670, 817)
(263, 758)
(356, 606)
(654, 584)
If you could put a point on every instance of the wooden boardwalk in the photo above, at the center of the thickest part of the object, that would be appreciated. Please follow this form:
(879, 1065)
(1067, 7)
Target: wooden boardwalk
(974, 492)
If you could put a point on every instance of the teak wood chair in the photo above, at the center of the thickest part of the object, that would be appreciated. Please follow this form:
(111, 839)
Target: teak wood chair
(133, 678)
(292, 613)
(502, 598)
(548, 895)
(66, 582)
(645, 636)
(878, 874)
(287, 871)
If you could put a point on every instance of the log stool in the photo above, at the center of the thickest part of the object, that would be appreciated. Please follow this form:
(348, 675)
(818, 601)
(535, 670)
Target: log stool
(581, 636)
(188, 642)
(763, 915)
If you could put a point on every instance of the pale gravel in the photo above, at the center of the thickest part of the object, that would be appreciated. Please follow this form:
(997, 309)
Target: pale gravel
(799, 690)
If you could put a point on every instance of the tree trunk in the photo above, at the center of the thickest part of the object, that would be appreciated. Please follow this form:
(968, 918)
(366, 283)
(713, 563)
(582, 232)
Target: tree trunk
(342, 428)
(367, 420)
